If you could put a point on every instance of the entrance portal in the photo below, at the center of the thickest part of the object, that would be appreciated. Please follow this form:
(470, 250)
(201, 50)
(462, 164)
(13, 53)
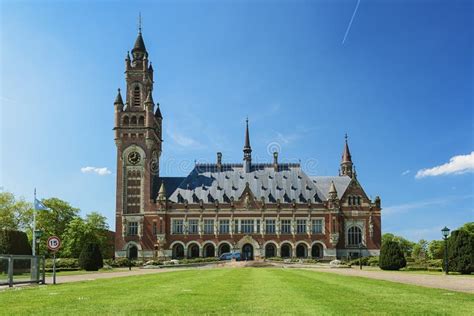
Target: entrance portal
(247, 252)
(132, 252)
(270, 251)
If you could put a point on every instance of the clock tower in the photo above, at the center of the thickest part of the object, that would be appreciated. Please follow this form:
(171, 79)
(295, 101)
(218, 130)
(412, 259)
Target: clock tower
(138, 132)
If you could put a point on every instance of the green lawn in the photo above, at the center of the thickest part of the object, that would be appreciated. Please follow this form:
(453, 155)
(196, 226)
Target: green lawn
(256, 291)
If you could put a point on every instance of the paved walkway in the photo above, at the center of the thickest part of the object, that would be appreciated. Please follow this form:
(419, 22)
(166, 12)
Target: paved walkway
(107, 275)
(448, 282)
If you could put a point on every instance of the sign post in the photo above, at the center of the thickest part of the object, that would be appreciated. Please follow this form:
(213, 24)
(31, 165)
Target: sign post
(54, 243)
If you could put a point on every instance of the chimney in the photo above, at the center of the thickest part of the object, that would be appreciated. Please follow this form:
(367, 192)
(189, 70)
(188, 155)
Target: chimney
(275, 161)
(219, 161)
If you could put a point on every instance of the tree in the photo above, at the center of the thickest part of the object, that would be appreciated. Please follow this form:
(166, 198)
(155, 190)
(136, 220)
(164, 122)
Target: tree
(91, 257)
(54, 221)
(461, 252)
(14, 242)
(14, 214)
(79, 232)
(436, 249)
(468, 227)
(420, 250)
(391, 256)
(405, 245)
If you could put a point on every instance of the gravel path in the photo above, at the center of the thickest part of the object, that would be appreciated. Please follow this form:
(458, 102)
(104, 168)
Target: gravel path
(448, 282)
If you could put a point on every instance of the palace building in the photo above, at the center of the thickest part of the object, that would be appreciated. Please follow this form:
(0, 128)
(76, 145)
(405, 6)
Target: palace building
(260, 209)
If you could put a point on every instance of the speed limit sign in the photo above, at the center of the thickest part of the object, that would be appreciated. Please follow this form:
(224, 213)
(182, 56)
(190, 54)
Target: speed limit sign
(54, 243)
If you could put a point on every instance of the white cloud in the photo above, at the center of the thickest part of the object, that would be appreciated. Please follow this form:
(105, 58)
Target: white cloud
(182, 140)
(404, 173)
(100, 171)
(456, 165)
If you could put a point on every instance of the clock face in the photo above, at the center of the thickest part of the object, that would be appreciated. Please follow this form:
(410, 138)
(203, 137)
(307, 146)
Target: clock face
(134, 157)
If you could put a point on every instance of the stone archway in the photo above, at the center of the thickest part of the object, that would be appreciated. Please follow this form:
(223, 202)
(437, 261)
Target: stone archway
(286, 250)
(223, 248)
(317, 251)
(301, 251)
(132, 252)
(178, 251)
(209, 250)
(247, 252)
(193, 251)
(270, 250)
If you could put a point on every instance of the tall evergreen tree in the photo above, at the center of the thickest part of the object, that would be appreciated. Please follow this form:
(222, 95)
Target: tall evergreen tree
(461, 251)
(391, 256)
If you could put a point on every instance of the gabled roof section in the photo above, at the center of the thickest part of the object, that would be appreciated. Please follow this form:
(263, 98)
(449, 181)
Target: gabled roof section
(323, 183)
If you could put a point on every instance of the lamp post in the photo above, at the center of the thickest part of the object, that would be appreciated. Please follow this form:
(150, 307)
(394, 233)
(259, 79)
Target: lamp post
(360, 256)
(445, 232)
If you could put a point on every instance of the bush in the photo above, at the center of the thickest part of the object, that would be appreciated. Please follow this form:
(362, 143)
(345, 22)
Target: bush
(63, 263)
(91, 257)
(461, 252)
(274, 259)
(14, 242)
(373, 261)
(391, 256)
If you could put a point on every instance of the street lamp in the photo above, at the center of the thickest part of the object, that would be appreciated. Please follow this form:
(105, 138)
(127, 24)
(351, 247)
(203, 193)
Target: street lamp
(360, 256)
(445, 232)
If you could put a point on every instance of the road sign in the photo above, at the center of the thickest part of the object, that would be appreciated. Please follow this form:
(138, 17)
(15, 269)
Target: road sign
(54, 243)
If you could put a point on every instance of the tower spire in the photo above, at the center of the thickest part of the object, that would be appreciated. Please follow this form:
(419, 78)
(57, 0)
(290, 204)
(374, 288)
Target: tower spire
(247, 148)
(346, 161)
(139, 50)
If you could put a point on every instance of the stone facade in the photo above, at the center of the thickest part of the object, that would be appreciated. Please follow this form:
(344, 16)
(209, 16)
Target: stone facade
(261, 210)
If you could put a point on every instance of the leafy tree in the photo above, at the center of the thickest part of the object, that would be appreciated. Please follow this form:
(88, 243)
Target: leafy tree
(91, 257)
(14, 242)
(391, 256)
(79, 232)
(54, 221)
(14, 214)
(461, 251)
(468, 227)
(420, 250)
(436, 249)
(405, 245)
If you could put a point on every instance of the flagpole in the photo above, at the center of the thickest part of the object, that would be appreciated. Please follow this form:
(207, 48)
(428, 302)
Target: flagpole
(34, 225)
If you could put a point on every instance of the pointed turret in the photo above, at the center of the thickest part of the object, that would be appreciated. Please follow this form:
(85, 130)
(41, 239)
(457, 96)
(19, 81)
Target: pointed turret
(332, 194)
(346, 161)
(149, 99)
(158, 111)
(162, 192)
(118, 98)
(247, 149)
(139, 49)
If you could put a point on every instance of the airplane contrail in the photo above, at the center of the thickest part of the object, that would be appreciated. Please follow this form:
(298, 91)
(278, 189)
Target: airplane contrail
(350, 23)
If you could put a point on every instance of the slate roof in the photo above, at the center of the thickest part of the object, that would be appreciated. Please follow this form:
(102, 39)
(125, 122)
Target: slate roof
(207, 183)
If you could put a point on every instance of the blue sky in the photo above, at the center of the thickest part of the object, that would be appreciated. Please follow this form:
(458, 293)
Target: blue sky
(401, 85)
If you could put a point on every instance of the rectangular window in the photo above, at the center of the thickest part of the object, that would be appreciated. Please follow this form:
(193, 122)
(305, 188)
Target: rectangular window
(193, 226)
(246, 226)
(270, 226)
(177, 226)
(286, 226)
(236, 226)
(155, 228)
(300, 226)
(224, 226)
(208, 226)
(258, 226)
(317, 226)
(132, 229)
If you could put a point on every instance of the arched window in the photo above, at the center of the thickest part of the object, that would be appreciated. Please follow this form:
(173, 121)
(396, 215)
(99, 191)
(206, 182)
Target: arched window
(358, 200)
(133, 121)
(126, 120)
(136, 96)
(350, 200)
(141, 121)
(354, 236)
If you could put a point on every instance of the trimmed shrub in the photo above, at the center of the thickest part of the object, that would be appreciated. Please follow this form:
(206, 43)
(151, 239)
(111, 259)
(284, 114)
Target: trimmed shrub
(461, 252)
(14, 242)
(91, 257)
(391, 256)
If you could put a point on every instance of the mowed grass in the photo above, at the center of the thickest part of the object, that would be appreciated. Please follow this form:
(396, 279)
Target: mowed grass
(256, 291)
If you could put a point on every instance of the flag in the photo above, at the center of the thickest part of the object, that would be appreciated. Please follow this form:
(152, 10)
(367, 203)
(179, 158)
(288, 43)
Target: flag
(39, 206)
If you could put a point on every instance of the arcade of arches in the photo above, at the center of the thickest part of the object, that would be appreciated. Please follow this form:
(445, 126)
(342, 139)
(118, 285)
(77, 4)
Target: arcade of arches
(285, 250)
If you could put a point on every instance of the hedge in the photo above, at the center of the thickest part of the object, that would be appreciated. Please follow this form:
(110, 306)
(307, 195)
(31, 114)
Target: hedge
(13, 242)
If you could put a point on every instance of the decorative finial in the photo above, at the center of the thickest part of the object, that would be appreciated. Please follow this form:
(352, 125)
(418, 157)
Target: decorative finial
(345, 137)
(139, 22)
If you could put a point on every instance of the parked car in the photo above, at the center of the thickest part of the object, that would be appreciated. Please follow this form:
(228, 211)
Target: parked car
(230, 256)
